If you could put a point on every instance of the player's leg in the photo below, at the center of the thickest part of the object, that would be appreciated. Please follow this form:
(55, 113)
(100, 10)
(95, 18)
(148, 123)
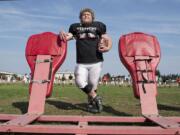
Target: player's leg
(81, 78)
(93, 79)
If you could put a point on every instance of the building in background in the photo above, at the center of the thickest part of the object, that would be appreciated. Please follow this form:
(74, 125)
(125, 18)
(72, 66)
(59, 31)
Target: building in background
(68, 77)
(9, 77)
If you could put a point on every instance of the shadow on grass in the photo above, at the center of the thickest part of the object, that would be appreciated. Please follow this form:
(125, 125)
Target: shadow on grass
(168, 108)
(83, 106)
(23, 106)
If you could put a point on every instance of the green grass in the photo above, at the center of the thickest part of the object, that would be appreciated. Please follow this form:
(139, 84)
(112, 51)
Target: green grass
(69, 100)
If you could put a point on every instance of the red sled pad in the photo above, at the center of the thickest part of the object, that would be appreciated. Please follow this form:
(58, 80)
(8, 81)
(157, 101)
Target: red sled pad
(140, 54)
(49, 44)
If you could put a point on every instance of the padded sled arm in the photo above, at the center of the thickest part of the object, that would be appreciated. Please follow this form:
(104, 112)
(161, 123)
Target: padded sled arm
(46, 43)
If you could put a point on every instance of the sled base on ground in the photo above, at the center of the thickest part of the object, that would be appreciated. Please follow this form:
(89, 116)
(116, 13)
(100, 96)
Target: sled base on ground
(86, 125)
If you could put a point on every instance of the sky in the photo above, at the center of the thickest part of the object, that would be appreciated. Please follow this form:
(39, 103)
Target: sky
(19, 19)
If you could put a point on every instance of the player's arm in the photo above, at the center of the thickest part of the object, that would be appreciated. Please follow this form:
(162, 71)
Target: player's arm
(105, 43)
(65, 36)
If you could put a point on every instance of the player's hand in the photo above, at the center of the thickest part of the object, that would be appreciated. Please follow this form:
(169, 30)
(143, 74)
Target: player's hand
(103, 49)
(62, 35)
(103, 44)
(65, 36)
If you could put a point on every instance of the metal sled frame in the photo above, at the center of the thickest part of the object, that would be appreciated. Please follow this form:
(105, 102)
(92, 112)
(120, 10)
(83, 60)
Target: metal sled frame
(85, 125)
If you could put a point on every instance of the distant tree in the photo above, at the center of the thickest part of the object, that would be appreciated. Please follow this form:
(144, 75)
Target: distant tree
(15, 76)
(169, 77)
(63, 78)
(112, 78)
(70, 77)
(158, 73)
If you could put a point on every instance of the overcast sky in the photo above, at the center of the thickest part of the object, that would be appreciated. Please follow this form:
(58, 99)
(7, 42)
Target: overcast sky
(22, 18)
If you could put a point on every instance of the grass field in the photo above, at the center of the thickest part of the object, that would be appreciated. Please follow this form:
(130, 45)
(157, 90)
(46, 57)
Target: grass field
(69, 100)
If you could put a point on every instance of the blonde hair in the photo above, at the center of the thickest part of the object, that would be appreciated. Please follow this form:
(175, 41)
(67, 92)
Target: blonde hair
(87, 10)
